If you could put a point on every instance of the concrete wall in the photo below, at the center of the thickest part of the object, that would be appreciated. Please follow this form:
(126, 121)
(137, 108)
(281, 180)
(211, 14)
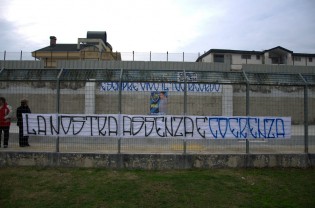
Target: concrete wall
(138, 103)
(283, 107)
(156, 161)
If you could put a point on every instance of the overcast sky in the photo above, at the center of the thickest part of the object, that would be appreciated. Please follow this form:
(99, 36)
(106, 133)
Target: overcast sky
(189, 26)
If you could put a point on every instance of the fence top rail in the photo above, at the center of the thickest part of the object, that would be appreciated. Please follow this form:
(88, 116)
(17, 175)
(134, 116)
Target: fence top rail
(141, 75)
(275, 78)
(309, 78)
(29, 74)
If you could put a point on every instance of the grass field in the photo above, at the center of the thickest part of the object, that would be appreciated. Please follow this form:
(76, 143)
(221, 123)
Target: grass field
(62, 187)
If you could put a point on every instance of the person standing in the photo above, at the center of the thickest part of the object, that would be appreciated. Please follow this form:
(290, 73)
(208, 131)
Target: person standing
(5, 121)
(163, 103)
(23, 140)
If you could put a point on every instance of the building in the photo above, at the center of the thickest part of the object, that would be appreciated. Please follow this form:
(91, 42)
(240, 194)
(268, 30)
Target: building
(273, 56)
(93, 47)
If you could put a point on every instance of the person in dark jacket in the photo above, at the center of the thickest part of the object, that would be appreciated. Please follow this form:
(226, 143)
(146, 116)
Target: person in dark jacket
(23, 140)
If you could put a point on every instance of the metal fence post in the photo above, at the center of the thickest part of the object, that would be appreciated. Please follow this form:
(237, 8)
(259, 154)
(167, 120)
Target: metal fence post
(120, 91)
(247, 107)
(58, 105)
(185, 93)
(119, 146)
(306, 119)
(247, 114)
(120, 110)
(185, 105)
(305, 114)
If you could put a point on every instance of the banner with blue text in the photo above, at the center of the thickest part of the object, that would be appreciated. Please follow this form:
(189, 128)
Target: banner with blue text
(157, 126)
(150, 86)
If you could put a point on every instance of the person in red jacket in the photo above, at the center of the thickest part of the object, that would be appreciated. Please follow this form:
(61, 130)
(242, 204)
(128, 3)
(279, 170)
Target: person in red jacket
(5, 121)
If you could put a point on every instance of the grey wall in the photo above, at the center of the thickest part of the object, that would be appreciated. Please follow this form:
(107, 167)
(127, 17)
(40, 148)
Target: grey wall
(156, 161)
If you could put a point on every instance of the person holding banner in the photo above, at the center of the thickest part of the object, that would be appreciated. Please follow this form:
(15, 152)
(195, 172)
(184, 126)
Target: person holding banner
(23, 140)
(5, 121)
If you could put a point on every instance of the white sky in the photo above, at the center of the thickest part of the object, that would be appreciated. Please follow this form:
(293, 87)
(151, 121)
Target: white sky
(189, 26)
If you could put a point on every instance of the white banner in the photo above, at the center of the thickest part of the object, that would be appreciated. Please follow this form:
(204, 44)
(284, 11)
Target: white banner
(148, 86)
(170, 126)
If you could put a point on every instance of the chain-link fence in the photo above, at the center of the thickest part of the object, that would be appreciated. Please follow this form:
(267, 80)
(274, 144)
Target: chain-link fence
(126, 56)
(115, 98)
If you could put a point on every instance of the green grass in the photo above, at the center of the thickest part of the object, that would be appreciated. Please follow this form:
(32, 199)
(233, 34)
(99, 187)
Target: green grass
(73, 187)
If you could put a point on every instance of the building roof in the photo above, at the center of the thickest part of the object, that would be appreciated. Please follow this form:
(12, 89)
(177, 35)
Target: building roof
(73, 47)
(224, 51)
(65, 47)
(62, 48)
(304, 54)
(278, 48)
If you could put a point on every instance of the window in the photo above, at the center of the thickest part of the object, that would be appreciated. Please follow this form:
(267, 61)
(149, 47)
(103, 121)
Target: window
(218, 58)
(258, 57)
(246, 56)
(297, 58)
(310, 59)
(275, 60)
